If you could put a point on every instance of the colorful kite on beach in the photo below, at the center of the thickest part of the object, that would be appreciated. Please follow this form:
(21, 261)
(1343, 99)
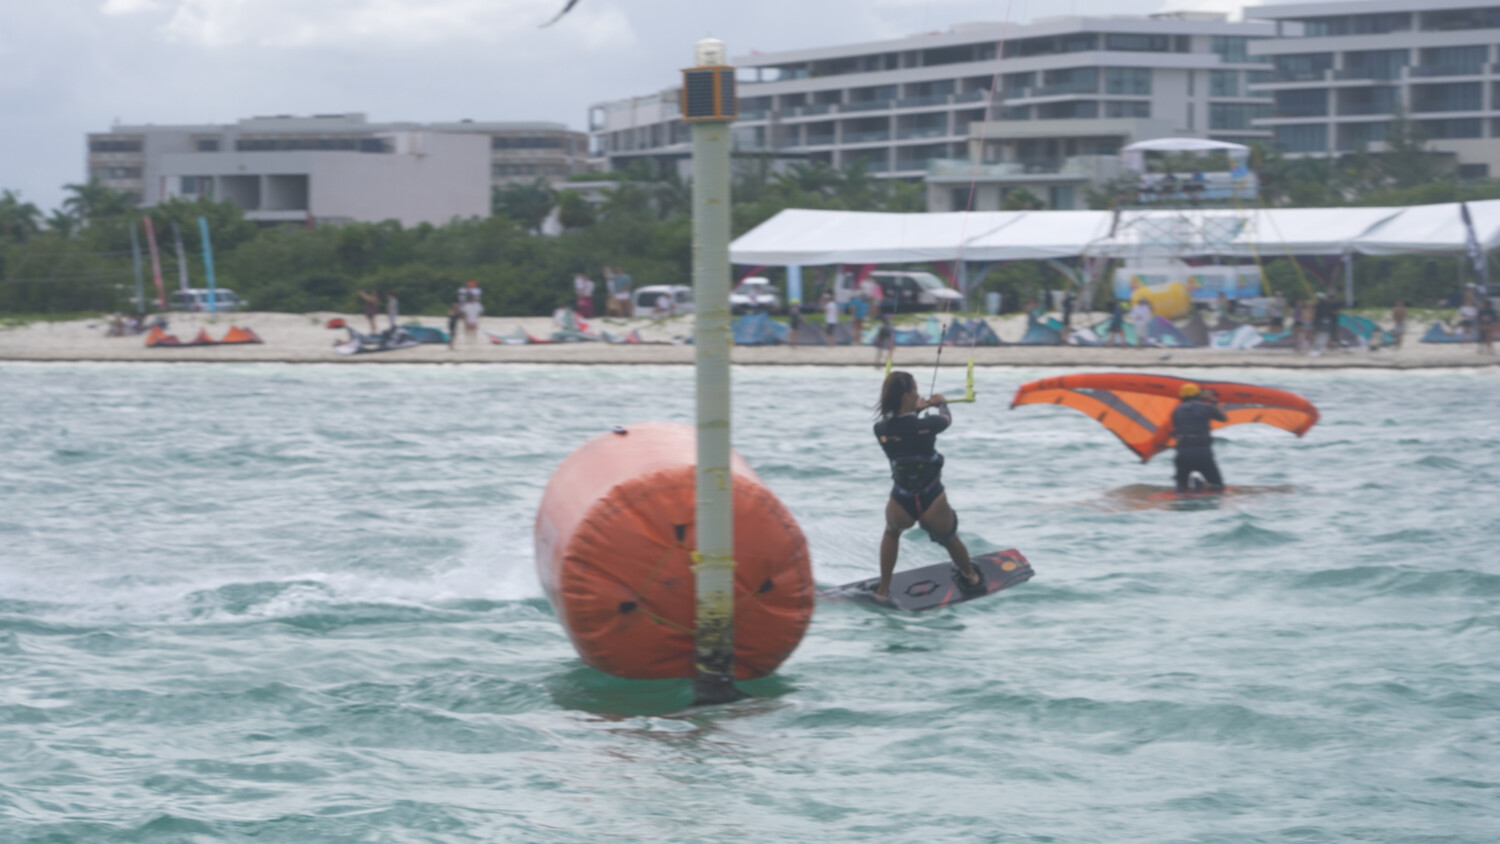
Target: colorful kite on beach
(1137, 407)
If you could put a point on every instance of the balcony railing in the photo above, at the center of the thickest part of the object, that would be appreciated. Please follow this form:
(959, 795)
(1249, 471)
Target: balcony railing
(921, 132)
(820, 140)
(929, 100)
(1299, 75)
(869, 105)
(1426, 71)
(1062, 90)
(978, 96)
(812, 110)
(1368, 73)
(867, 136)
(757, 114)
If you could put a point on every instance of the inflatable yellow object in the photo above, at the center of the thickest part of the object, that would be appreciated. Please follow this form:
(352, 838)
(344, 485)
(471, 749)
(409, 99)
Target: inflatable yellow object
(1170, 300)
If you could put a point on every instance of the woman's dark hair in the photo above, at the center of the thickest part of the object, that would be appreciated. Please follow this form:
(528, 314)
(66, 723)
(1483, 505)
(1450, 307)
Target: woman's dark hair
(896, 386)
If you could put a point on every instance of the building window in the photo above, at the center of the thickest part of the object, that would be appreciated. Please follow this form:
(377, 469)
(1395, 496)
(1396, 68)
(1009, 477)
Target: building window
(206, 144)
(1060, 197)
(1235, 115)
(1015, 84)
(1258, 77)
(958, 199)
(525, 142)
(1137, 43)
(1357, 136)
(1069, 80)
(1073, 110)
(1367, 99)
(1305, 138)
(1127, 108)
(1015, 113)
(1374, 64)
(197, 186)
(1230, 48)
(1300, 67)
(115, 173)
(1223, 83)
(1127, 80)
(1312, 102)
(958, 55)
(1449, 20)
(1473, 172)
(1453, 61)
(1458, 96)
(1357, 25)
(114, 145)
(1453, 127)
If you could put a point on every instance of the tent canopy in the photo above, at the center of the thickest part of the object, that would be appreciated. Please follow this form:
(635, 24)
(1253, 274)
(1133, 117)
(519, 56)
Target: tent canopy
(802, 237)
(1183, 145)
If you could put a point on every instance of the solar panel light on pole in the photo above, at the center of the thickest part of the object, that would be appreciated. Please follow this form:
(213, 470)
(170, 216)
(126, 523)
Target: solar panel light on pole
(708, 92)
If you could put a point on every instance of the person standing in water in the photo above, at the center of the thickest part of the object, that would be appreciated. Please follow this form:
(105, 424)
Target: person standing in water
(909, 440)
(1195, 446)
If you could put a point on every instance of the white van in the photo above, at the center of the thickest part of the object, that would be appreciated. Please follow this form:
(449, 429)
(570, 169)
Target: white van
(196, 299)
(909, 290)
(645, 301)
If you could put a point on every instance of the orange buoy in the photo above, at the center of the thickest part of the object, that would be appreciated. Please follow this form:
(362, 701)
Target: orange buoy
(614, 542)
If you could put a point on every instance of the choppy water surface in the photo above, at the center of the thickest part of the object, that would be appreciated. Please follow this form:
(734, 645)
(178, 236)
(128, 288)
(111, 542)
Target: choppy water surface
(281, 603)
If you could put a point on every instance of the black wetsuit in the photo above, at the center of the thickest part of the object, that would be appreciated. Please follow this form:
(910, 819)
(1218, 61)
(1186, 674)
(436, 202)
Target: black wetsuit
(910, 442)
(1195, 449)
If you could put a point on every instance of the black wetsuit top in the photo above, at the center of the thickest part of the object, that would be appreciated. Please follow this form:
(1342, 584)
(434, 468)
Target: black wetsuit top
(1190, 423)
(910, 443)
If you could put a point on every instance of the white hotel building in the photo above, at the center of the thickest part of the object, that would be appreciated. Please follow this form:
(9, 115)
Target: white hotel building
(1072, 92)
(1341, 70)
(335, 168)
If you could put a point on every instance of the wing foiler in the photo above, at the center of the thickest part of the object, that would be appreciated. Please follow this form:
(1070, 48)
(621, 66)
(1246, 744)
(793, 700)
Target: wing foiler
(1137, 407)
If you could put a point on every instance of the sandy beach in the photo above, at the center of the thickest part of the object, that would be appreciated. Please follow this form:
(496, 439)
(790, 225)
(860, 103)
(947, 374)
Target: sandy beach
(302, 338)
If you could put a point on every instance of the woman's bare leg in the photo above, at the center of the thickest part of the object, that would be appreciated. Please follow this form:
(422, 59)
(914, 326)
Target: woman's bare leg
(940, 519)
(897, 520)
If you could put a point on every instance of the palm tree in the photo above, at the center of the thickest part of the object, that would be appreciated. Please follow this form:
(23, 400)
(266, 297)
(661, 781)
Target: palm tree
(93, 201)
(62, 222)
(18, 220)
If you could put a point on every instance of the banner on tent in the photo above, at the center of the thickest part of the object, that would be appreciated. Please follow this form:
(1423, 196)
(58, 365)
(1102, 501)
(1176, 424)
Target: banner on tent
(1204, 283)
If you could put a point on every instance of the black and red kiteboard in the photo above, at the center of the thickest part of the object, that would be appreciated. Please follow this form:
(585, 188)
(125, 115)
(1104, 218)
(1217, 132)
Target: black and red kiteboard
(930, 587)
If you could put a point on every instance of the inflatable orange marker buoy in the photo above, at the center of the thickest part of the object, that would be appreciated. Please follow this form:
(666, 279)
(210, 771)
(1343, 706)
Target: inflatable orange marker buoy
(614, 543)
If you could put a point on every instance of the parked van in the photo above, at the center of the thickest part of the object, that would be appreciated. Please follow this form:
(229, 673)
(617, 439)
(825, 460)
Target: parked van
(196, 299)
(645, 301)
(908, 290)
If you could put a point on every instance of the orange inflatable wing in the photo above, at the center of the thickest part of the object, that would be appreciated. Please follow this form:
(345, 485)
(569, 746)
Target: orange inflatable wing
(1137, 407)
(202, 339)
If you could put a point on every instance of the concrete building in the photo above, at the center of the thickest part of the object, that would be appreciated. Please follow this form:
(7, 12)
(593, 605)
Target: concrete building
(1341, 72)
(335, 168)
(909, 108)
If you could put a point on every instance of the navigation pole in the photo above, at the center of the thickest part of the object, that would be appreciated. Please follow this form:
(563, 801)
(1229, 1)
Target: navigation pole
(709, 105)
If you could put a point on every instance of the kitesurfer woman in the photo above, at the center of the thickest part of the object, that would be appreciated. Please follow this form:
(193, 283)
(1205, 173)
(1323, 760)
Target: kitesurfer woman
(1195, 448)
(909, 439)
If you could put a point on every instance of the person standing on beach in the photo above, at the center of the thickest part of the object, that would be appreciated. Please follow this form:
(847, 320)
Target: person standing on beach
(392, 308)
(1398, 320)
(1116, 323)
(1140, 317)
(793, 322)
(1485, 320)
(1325, 322)
(1069, 300)
(455, 312)
(620, 298)
(885, 338)
(858, 307)
(830, 317)
(471, 309)
(371, 302)
(583, 295)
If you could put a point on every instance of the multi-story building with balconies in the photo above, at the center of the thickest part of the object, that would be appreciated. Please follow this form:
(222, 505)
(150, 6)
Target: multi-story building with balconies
(1068, 88)
(335, 167)
(1341, 72)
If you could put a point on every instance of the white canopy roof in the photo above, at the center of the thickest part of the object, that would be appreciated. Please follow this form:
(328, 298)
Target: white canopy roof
(1183, 145)
(812, 238)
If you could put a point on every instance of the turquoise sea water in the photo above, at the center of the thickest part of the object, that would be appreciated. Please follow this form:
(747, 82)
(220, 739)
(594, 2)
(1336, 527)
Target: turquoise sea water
(298, 603)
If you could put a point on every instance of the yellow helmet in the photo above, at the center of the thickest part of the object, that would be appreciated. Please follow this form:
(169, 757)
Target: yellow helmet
(1189, 391)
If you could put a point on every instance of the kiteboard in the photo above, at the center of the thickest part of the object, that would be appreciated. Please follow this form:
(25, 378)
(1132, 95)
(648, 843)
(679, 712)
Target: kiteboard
(1151, 496)
(940, 585)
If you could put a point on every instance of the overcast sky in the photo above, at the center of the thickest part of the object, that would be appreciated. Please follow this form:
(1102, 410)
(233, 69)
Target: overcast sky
(68, 67)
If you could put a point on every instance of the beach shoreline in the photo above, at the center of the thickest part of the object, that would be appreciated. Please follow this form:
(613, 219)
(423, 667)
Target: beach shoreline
(302, 338)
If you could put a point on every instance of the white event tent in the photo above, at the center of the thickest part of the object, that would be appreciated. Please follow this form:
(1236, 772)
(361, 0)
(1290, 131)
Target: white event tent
(801, 237)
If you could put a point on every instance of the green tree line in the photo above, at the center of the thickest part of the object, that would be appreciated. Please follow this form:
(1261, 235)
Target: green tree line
(78, 258)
